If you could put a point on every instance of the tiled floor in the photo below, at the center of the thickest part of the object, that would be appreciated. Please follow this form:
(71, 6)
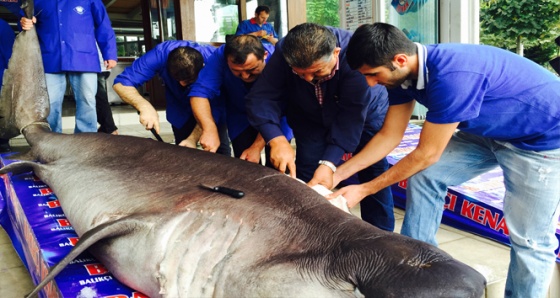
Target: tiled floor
(488, 257)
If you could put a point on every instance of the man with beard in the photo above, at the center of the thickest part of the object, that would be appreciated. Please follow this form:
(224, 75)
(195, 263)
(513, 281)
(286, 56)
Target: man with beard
(507, 112)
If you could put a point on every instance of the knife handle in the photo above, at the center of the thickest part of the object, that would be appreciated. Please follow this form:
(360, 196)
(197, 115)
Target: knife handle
(230, 191)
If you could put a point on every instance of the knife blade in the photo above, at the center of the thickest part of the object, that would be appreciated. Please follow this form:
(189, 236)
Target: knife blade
(153, 130)
(234, 193)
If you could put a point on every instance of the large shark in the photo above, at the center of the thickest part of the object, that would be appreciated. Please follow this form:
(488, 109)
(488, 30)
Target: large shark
(138, 207)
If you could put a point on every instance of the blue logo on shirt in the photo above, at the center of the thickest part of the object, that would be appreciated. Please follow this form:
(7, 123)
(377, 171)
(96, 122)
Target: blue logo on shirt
(79, 9)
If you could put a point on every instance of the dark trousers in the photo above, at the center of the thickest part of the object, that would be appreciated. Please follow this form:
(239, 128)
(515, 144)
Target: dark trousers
(102, 106)
(184, 132)
(244, 140)
(376, 209)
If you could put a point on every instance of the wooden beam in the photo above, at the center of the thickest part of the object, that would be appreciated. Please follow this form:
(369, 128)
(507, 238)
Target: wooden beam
(188, 27)
(111, 2)
(296, 12)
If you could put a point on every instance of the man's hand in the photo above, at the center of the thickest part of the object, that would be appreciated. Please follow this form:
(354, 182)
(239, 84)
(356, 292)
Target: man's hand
(353, 194)
(149, 117)
(27, 24)
(324, 176)
(282, 155)
(210, 139)
(110, 64)
(271, 39)
(251, 154)
(193, 138)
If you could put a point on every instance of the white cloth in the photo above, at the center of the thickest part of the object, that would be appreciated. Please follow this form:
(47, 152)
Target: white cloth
(340, 201)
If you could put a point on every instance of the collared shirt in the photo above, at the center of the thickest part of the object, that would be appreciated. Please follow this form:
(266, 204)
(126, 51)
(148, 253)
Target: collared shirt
(318, 89)
(215, 79)
(68, 31)
(481, 88)
(250, 26)
(350, 107)
(422, 69)
(154, 62)
(317, 84)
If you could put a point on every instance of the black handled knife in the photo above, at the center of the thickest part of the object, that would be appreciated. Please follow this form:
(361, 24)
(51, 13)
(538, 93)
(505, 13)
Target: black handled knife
(234, 193)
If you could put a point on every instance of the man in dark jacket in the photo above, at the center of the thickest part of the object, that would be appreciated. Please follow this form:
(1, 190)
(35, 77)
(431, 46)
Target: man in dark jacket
(329, 106)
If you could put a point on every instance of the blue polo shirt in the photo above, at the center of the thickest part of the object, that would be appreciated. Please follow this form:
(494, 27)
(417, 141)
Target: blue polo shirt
(154, 62)
(350, 107)
(215, 78)
(492, 92)
(68, 31)
(250, 26)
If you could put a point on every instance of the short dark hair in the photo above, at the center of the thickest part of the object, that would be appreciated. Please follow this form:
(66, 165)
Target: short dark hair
(239, 47)
(376, 45)
(184, 63)
(308, 43)
(261, 8)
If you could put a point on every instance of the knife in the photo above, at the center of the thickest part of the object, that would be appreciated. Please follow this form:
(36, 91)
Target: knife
(234, 193)
(153, 130)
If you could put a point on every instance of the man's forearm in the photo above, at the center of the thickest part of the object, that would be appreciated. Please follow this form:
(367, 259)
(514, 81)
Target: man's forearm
(203, 113)
(376, 149)
(130, 95)
(411, 164)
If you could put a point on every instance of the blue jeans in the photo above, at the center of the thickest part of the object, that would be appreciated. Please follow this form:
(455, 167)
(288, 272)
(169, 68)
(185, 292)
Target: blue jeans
(376, 209)
(531, 203)
(84, 86)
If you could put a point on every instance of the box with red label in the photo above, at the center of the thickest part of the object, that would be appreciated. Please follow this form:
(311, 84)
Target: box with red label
(475, 206)
(42, 236)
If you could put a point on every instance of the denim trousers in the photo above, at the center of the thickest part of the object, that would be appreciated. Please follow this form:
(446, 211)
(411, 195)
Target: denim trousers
(84, 87)
(531, 203)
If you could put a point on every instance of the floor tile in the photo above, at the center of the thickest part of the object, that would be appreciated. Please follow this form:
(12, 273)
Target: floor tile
(15, 282)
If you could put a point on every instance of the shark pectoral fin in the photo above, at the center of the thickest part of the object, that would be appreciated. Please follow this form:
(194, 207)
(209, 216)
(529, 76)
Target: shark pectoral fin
(109, 229)
(19, 167)
(23, 156)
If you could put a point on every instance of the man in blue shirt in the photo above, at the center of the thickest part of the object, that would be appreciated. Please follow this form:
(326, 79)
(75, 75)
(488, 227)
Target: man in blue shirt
(507, 112)
(233, 69)
(329, 106)
(68, 32)
(178, 64)
(7, 37)
(258, 26)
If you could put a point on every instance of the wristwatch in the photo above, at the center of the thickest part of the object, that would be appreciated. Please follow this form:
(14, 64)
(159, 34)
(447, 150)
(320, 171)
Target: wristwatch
(328, 164)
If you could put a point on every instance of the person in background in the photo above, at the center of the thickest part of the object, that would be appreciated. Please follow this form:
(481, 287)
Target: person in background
(178, 63)
(507, 112)
(257, 26)
(68, 32)
(330, 108)
(102, 106)
(232, 70)
(7, 37)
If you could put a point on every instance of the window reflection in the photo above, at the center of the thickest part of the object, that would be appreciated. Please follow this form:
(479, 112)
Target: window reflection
(166, 27)
(417, 19)
(214, 19)
(130, 45)
(278, 15)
